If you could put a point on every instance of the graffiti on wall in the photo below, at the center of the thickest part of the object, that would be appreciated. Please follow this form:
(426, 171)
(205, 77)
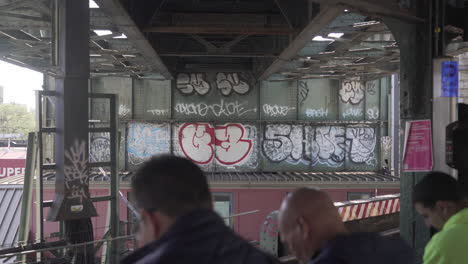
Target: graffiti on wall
(303, 91)
(227, 144)
(99, 147)
(352, 91)
(277, 110)
(231, 82)
(226, 83)
(372, 113)
(158, 112)
(145, 140)
(76, 172)
(221, 109)
(189, 83)
(124, 110)
(319, 112)
(328, 145)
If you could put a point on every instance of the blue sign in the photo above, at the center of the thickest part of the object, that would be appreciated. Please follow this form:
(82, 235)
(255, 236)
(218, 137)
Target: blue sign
(449, 79)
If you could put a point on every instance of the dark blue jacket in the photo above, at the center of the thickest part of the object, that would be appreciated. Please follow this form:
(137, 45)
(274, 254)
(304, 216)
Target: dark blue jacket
(364, 248)
(199, 237)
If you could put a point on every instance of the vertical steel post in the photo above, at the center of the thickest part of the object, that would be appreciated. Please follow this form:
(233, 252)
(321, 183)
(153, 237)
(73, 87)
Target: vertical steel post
(115, 179)
(72, 202)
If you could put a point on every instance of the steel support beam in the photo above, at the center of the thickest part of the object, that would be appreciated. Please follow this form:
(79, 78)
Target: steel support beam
(72, 202)
(219, 30)
(126, 25)
(325, 16)
(414, 40)
(383, 9)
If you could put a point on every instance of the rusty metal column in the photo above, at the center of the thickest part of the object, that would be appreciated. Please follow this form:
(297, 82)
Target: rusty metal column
(72, 202)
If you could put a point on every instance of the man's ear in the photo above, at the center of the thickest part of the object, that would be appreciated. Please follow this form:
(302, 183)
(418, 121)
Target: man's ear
(303, 227)
(152, 220)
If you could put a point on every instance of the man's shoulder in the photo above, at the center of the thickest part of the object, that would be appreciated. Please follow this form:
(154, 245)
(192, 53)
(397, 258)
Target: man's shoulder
(448, 238)
(365, 248)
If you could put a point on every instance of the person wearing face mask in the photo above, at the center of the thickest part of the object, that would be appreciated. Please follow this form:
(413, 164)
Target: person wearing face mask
(439, 200)
(314, 232)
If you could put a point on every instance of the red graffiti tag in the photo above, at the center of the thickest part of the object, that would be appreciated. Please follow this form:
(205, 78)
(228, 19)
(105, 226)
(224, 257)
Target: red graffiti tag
(200, 142)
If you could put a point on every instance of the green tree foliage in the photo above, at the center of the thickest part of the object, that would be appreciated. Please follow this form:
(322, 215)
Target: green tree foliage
(16, 119)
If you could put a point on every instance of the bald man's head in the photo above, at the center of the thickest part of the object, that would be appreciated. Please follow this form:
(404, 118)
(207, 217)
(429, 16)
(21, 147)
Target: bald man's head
(307, 220)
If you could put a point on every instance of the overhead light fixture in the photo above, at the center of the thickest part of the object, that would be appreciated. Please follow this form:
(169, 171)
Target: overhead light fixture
(346, 10)
(335, 35)
(93, 4)
(103, 32)
(123, 36)
(320, 38)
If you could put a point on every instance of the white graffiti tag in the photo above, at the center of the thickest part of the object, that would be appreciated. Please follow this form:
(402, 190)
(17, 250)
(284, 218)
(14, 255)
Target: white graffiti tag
(201, 142)
(124, 110)
(158, 112)
(326, 145)
(76, 172)
(352, 91)
(99, 147)
(363, 141)
(373, 113)
(282, 142)
(320, 112)
(188, 83)
(353, 112)
(227, 82)
(277, 110)
(220, 109)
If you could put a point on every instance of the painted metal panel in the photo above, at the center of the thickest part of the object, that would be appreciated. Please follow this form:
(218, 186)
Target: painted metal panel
(10, 203)
(278, 100)
(385, 96)
(236, 147)
(195, 142)
(99, 147)
(152, 99)
(372, 100)
(114, 85)
(363, 145)
(317, 99)
(303, 147)
(221, 147)
(215, 96)
(351, 99)
(146, 140)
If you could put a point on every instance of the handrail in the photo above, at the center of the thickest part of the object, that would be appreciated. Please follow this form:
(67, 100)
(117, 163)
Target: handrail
(64, 247)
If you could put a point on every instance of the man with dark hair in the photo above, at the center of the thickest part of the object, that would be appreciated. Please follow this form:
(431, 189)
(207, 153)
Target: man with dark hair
(178, 224)
(438, 199)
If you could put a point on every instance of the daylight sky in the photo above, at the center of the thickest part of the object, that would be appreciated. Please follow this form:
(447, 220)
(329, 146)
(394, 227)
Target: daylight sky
(19, 84)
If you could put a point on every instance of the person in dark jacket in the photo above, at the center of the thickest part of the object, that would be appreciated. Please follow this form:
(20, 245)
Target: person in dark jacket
(178, 224)
(314, 232)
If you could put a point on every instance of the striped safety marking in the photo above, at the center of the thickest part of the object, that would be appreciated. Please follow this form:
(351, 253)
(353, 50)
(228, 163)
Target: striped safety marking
(370, 209)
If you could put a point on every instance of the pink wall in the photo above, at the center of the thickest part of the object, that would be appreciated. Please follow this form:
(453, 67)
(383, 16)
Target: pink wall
(268, 200)
(244, 200)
